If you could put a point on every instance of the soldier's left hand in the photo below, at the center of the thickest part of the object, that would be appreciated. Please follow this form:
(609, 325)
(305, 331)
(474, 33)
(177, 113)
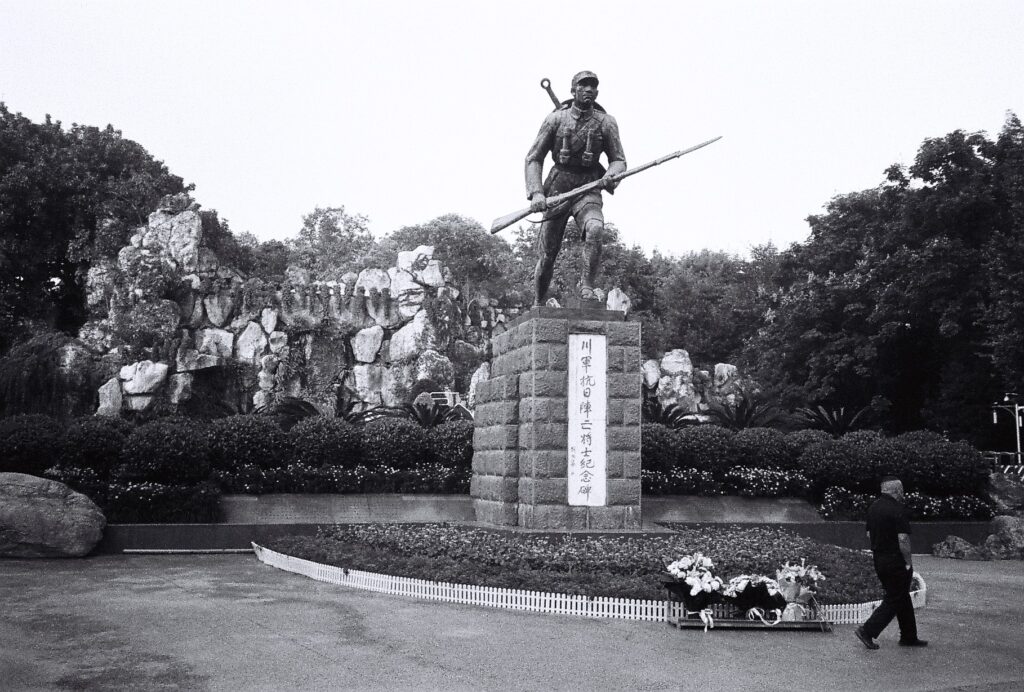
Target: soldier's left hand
(609, 183)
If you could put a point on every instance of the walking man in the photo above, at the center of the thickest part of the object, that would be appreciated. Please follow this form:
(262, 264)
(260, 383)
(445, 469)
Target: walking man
(889, 533)
(576, 134)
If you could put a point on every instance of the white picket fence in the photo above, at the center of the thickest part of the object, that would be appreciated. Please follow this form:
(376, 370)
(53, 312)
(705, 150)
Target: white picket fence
(535, 601)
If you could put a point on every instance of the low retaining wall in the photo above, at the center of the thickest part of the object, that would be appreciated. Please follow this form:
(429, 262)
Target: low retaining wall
(260, 518)
(535, 601)
(283, 508)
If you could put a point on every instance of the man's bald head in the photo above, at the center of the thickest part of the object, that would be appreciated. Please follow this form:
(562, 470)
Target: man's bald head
(892, 486)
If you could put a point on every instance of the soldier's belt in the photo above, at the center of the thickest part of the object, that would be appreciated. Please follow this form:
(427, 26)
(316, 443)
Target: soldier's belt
(576, 170)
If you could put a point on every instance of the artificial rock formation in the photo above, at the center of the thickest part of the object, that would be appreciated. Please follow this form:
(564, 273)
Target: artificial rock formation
(175, 318)
(1006, 542)
(677, 382)
(44, 518)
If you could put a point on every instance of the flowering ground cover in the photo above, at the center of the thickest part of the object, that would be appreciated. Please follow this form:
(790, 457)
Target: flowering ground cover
(622, 566)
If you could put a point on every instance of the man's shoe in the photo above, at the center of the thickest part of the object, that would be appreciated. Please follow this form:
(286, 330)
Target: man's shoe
(915, 642)
(867, 641)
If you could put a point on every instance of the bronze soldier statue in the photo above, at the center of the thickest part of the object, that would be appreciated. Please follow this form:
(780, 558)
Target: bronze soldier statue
(576, 134)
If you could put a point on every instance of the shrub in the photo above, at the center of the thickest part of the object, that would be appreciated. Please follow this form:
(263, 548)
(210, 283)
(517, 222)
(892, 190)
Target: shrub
(680, 481)
(29, 443)
(156, 503)
(167, 450)
(856, 461)
(659, 451)
(94, 443)
(705, 448)
(840, 503)
(332, 441)
(931, 464)
(924, 461)
(85, 481)
(451, 445)
(801, 439)
(258, 440)
(394, 442)
(302, 478)
(762, 448)
(762, 482)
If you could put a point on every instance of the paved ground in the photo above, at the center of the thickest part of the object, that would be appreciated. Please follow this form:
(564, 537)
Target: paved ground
(228, 622)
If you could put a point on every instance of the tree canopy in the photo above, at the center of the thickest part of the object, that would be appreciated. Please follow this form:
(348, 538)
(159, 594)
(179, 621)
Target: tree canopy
(67, 198)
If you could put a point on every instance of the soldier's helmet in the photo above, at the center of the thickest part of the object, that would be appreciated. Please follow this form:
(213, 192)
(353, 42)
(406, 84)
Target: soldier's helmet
(580, 76)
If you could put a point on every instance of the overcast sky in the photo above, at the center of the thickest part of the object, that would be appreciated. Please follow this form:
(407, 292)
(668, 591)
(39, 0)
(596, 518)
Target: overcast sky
(403, 111)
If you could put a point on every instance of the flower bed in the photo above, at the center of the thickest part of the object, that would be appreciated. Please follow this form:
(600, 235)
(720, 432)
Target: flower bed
(537, 601)
(619, 566)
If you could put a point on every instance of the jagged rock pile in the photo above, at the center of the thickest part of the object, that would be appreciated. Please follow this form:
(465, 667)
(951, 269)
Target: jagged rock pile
(1006, 542)
(677, 382)
(169, 311)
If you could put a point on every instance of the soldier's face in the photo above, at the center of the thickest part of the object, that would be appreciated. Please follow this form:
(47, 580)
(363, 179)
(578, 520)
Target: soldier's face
(585, 93)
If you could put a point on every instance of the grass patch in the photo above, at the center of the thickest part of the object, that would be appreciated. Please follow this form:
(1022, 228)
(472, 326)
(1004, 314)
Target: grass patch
(619, 566)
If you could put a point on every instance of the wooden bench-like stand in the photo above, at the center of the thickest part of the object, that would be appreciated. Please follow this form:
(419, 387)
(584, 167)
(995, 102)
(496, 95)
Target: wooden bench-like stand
(723, 616)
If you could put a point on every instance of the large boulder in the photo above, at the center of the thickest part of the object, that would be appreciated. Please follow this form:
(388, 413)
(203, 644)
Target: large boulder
(1007, 539)
(958, 549)
(412, 339)
(618, 300)
(143, 377)
(44, 518)
(1006, 492)
(367, 342)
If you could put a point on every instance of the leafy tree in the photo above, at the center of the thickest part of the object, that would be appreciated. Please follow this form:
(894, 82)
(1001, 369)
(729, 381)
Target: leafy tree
(478, 260)
(331, 242)
(67, 198)
(892, 298)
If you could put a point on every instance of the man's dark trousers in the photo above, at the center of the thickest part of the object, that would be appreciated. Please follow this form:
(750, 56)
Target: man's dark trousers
(896, 580)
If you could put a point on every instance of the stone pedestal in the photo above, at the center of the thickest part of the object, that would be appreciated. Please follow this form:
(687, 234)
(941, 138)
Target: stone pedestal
(522, 444)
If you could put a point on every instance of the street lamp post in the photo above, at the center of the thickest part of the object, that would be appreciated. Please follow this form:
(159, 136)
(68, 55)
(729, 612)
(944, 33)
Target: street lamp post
(1010, 405)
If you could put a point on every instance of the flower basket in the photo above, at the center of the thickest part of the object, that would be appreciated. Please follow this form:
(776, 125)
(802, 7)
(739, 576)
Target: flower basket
(702, 601)
(692, 582)
(756, 596)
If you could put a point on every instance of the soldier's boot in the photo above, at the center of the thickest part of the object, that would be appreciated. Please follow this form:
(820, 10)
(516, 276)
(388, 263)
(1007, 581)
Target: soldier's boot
(591, 262)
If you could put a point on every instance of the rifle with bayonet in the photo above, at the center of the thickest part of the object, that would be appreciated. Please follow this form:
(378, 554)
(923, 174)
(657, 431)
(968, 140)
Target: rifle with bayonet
(566, 197)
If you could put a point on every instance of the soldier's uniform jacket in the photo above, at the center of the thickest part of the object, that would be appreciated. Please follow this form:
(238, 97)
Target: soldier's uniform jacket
(576, 139)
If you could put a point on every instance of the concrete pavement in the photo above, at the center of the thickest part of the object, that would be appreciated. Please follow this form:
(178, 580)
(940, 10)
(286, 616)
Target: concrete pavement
(228, 622)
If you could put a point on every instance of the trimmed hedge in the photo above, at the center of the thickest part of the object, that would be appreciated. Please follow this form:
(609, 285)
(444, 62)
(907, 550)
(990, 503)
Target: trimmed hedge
(167, 450)
(451, 445)
(319, 441)
(94, 443)
(926, 463)
(29, 443)
(762, 448)
(240, 440)
(659, 450)
(393, 442)
(704, 447)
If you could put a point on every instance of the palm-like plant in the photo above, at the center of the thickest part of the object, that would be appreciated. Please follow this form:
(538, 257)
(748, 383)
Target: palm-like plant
(747, 412)
(430, 414)
(289, 410)
(836, 421)
(653, 411)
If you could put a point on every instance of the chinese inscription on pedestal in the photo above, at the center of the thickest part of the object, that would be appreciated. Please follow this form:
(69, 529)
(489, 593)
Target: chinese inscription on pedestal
(588, 416)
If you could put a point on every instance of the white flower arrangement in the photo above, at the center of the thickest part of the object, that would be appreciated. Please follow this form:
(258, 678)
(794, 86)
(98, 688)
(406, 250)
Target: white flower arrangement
(798, 582)
(695, 571)
(738, 585)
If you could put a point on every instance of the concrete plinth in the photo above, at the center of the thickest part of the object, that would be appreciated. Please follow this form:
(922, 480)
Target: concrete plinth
(521, 446)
